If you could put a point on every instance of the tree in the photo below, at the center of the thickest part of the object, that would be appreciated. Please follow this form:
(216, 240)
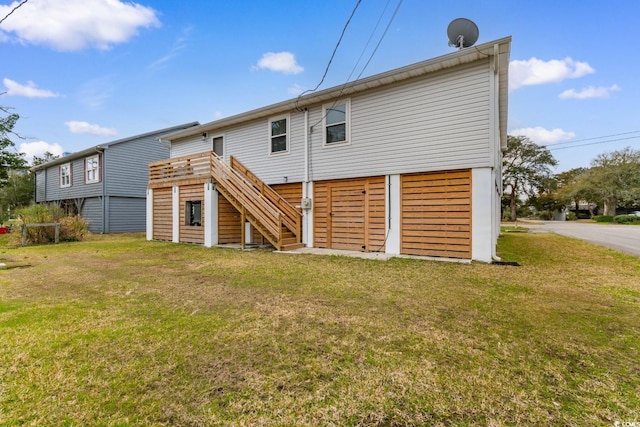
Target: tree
(10, 159)
(46, 157)
(615, 178)
(526, 170)
(16, 193)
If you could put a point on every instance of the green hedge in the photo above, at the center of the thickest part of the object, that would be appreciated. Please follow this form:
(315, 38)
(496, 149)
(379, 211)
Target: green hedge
(627, 219)
(603, 218)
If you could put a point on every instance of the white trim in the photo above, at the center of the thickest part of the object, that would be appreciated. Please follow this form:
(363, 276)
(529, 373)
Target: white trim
(482, 220)
(287, 134)
(210, 216)
(95, 171)
(307, 216)
(393, 198)
(175, 214)
(347, 113)
(69, 175)
(149, 214)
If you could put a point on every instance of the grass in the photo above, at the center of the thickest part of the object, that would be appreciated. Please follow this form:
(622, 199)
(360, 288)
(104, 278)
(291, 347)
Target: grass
(117, 331)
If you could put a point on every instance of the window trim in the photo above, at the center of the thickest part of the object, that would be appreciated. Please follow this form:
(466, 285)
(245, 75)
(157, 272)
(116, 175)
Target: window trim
(69, 176)
(287, 135)
(98, 170)
(347, 121)
(187, 213)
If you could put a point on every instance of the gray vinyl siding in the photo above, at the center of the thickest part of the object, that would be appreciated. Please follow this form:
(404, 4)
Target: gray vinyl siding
(92, 212)
(423, 125)
(127, 165)
(40, 186)
(193, 145)
(78, 187)
(127, 214)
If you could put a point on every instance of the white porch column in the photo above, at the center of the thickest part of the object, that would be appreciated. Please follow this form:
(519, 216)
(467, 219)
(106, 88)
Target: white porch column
(149, 214)
(210, 215)
(482, 216)
(307, 215)
(392, 221)
(175, 214)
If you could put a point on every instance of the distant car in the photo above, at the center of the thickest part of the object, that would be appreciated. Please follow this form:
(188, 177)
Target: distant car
(636, 213)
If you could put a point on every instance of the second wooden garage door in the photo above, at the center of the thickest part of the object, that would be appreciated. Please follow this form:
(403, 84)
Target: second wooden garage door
(436, 214)
(350, 214)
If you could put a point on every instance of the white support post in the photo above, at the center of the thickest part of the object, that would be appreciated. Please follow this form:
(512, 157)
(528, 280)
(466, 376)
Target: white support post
(210, 215)
(482, 216)
(307, 216)
(175, 214)
(392, 221)
(149, 214)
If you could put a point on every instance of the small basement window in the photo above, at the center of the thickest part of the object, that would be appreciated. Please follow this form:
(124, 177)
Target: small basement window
(193, 213)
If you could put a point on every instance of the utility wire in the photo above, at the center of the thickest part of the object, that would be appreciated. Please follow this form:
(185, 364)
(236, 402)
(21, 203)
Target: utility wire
(553, 148)
(13, 10)
(595, 137)
(335, 49)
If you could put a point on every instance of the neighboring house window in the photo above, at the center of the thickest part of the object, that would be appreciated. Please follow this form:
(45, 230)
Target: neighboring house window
(193, 213)
(279, 135)
(92, 169)
(65, 175)
(336, 122)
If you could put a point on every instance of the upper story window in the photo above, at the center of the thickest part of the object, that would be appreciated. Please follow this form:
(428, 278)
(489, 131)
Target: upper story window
(65, 175)
(92, 169)
(336, 122)
(279, 135)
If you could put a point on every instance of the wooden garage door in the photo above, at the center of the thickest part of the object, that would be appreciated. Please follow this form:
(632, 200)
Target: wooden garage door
(162, 214)
(350, 214)
(436, 214)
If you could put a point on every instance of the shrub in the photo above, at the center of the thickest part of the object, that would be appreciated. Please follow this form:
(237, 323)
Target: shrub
(571, 216)
(627, 219)
(545, 215)
(603, 218)
(72, 228)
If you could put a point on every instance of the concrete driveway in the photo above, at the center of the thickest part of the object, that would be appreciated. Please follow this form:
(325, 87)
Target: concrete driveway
(625, 238)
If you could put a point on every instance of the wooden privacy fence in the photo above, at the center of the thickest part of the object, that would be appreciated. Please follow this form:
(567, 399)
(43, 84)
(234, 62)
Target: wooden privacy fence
(53, 224)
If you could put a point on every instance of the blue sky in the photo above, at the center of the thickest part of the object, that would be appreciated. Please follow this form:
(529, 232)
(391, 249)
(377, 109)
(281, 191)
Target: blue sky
(84, 72)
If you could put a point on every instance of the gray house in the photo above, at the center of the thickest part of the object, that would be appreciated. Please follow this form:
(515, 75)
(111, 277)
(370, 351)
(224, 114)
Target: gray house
(107, 183)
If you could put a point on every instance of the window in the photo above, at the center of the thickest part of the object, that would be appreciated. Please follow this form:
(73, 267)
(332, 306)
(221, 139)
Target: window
(92, 169)
(65, 175)
(336, 123)
(193, 214)
(278, 135)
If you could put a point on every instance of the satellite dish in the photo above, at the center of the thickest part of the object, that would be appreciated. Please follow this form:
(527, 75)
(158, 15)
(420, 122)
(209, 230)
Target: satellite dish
(462, 33)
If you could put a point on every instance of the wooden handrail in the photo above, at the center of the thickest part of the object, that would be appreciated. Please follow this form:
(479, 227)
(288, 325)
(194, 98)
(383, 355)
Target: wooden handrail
(232, 183)
(292, 217)
(264, 207)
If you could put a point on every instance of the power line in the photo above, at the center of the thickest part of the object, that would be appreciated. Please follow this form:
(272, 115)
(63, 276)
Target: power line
(13, 10)
(335, 49)
(595, 137)
(553, 148)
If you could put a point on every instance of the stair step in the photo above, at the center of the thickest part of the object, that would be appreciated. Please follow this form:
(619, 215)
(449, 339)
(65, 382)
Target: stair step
(291, 246)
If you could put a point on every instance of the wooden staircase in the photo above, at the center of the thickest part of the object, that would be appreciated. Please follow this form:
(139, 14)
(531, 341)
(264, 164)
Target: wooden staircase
(278, 221)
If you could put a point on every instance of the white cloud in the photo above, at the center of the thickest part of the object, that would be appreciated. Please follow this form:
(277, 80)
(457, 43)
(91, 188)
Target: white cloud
(589, 92)
(295, 90)
(29, 90)
(75, 24)
(85, 127)
(284, 62)
(178, 45)
(542, 136)
(38, 148)
(535, 71)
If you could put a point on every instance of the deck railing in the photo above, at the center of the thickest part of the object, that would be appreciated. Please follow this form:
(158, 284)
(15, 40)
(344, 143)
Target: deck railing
(262, 206)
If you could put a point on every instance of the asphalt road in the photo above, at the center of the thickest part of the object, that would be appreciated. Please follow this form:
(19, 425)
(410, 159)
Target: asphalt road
(625, 238)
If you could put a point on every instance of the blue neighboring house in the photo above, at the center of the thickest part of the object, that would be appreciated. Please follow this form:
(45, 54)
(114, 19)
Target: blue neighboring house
(107, 183)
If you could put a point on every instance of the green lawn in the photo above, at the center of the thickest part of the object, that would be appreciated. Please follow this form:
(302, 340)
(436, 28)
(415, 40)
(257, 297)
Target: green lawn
(118, 331)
